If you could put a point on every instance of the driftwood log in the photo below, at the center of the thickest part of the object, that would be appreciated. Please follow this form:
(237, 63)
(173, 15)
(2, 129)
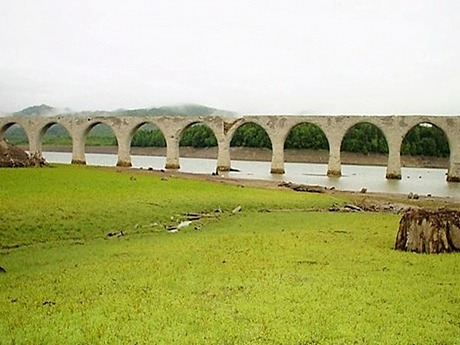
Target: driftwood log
(429, 231)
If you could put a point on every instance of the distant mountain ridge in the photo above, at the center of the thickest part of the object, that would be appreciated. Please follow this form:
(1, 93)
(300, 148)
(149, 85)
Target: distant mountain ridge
(35, 110)
(180, 110)
(184, 110)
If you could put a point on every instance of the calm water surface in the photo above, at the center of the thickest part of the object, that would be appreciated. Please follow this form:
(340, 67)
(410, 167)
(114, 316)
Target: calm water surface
(416, 180)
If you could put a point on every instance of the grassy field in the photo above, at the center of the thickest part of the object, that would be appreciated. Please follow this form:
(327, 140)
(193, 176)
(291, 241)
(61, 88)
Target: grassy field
(281, 271)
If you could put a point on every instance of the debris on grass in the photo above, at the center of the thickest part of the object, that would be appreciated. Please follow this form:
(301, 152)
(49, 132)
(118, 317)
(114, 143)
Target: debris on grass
(303, 187)
(49, 303)
(115, 234)
(237, 209)
(184, 224)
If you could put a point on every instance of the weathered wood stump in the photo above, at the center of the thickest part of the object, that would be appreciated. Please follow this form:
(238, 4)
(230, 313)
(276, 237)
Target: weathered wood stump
(429, 231)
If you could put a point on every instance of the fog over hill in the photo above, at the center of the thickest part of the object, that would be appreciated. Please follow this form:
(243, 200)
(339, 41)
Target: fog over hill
(179, 110)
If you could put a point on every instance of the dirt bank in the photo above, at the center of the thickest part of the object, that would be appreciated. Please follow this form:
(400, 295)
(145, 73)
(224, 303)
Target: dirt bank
(256, 154)
(389, 201)
(293, 156)
(12, 156)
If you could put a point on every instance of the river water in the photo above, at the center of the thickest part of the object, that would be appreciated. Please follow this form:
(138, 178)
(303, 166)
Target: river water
(422, 181)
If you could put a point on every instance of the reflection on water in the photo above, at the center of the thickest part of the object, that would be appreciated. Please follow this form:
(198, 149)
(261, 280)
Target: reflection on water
(415, 180)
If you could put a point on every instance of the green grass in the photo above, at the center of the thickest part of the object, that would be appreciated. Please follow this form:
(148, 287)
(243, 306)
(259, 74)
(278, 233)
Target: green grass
(288, 276)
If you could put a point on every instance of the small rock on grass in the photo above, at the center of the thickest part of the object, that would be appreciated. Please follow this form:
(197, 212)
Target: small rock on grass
(237, 209)
(2, 270)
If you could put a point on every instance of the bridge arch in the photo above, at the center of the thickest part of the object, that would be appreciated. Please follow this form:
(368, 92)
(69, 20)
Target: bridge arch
(380, 138)
(145, 134)
(429, 138)
(450, 126)
(425, 137)
(50, 125)
(19, 131)
(157, 140)
(253, 134)
(364, 138)
(277, 128)
(92, 124)
(305, 135)
(126, 129)
(47, 125)
(174, 127)
(198, 135)
(81, 132)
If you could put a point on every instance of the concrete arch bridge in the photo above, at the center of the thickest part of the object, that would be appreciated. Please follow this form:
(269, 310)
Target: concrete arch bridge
(394, 128)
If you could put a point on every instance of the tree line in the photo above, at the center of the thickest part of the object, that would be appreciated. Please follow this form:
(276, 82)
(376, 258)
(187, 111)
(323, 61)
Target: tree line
(424, 139)
(365, 138)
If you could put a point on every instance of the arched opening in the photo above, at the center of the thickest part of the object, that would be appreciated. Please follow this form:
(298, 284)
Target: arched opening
(56, 143)
(306, 142)
(198, 135)
(55, 137)
(364, 144)
(148, 146)
(15, 134)
(13, 146)
(425, 145)
(198, 140)
(251, 142)
(101, 145)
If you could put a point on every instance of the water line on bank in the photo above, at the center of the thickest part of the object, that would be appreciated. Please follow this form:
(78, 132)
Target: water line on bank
(423, 181)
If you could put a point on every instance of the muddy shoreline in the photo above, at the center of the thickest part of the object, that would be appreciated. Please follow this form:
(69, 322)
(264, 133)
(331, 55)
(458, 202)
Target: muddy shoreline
(258, 154)
(393, 201)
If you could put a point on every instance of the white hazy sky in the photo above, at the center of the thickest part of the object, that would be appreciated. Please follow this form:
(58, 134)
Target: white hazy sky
(249, 56)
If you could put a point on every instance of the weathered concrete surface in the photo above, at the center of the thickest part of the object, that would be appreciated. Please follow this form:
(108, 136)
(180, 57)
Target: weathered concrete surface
(394, 128)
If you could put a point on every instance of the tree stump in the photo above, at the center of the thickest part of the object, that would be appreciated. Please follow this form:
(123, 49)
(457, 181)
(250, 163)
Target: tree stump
(429, 231)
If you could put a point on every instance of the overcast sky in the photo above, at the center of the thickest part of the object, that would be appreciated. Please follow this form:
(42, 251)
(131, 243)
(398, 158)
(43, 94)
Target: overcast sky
(267, 56)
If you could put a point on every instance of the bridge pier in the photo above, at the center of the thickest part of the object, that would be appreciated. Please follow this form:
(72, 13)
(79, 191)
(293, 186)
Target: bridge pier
(394, 167)
(78, 148)
(124, 145)
(394, 158)
(78, 153)
(334, 167)
(277, 157)
(453, 173)
(172, 153)
(35, 143)
(223, 155)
